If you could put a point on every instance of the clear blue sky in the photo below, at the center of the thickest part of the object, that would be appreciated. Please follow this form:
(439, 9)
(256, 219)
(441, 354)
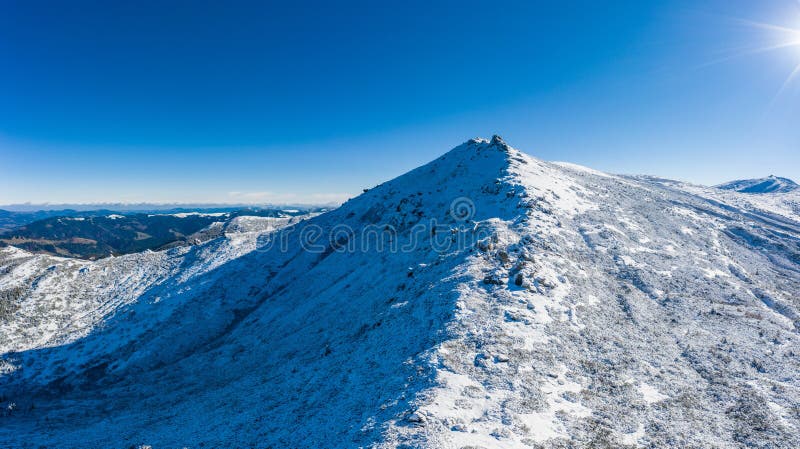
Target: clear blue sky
(205, 101)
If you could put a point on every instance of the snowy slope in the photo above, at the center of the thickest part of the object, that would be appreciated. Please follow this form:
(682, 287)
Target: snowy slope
(514, 303)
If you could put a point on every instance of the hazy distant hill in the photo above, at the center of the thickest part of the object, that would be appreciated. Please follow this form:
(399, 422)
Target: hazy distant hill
(14, 219)
(103, 233)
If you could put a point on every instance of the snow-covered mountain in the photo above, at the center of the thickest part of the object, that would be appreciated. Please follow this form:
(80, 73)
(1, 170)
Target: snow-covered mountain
(486, 299)
(770, 184)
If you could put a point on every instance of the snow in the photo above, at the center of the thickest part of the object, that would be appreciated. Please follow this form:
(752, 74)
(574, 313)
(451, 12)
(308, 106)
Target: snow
(711, 273)
(547, 424)
(633, 437)
(193, 214)
(553, 307)
(650, 394)
(199, 214)
(581, 168)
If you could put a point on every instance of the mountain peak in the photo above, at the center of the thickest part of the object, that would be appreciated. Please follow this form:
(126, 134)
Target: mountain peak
(769, 184)
(495, 141)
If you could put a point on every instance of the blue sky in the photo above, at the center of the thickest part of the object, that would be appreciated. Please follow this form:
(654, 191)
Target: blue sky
(311, 102)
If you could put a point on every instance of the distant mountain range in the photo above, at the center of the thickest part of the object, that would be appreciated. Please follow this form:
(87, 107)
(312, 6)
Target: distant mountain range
(97, 234)
(15, 215)
(153, 207)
